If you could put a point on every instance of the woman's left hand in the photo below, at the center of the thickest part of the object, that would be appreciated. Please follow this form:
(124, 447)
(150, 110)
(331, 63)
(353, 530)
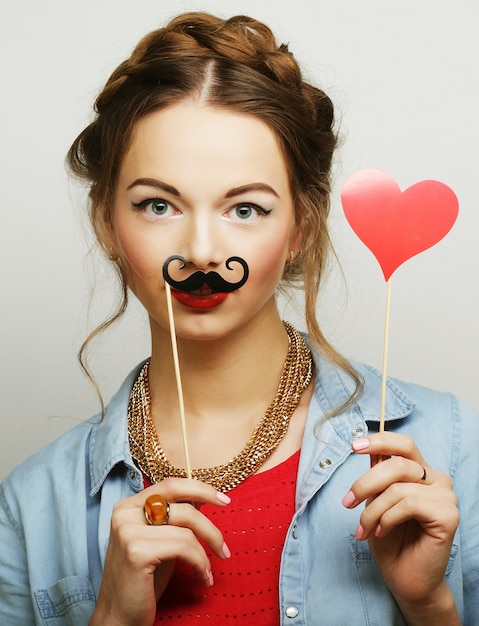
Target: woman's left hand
(410, 523)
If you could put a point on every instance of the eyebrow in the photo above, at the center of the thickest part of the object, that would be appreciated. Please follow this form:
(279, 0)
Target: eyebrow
(236, 191)
(153, 182)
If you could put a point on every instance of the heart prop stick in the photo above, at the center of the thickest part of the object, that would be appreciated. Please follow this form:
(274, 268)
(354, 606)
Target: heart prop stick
(396, 226)
(217, 285)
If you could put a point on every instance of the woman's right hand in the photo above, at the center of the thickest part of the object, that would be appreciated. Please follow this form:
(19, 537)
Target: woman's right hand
(140, 558)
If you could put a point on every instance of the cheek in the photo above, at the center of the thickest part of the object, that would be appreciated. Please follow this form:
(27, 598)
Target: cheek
(136, 261)
(141, 256)
(268, 266)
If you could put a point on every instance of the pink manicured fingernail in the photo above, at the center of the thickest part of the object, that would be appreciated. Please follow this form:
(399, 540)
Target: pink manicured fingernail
(349, 499)
(209, 576)
(360, 444)
(378, 531)
(222, 497)
(359, 534)
(226, 551)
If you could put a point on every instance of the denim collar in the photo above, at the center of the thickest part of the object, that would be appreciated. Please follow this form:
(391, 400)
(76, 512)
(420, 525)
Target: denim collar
(109, 438)
(327, 442)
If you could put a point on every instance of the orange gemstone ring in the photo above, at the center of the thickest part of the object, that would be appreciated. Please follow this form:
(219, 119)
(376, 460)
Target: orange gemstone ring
(157, 510)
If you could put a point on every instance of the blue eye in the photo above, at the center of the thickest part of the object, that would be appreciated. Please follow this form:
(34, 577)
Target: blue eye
(244, 211)
(158, 207)
(248, 212)
(155, 207)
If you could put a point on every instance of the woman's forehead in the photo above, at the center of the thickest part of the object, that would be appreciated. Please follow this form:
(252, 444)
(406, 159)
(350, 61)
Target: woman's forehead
(188, 141)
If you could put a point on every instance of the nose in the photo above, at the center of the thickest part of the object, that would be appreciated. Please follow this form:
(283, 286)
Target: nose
(203, 246)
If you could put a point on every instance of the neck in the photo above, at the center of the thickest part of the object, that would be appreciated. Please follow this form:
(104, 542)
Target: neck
(239, 373)
(255, 413)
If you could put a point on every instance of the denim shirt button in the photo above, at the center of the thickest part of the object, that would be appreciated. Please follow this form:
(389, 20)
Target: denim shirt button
(357, 432)
(133, 476)
(292, 611)
(294, 532)
(324, 463)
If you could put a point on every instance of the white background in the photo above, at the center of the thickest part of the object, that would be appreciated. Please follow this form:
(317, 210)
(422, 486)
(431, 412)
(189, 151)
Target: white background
(403, 76)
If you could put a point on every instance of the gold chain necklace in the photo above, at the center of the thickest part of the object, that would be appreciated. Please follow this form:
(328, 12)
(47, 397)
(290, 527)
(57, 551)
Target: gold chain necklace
(146, 447)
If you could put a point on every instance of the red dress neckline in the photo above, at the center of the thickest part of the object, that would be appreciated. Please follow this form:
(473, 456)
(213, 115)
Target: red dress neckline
(254, 527)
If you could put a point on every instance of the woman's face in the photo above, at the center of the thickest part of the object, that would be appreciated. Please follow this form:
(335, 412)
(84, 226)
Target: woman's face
(207, 184)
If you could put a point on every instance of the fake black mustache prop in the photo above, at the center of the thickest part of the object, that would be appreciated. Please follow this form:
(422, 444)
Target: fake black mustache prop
(214, 280)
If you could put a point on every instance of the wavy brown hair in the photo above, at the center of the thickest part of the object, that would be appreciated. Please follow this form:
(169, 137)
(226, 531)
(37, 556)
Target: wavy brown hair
(234, 64)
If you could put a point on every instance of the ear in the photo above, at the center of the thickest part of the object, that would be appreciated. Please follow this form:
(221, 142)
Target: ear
(107, 238)
(295, 239)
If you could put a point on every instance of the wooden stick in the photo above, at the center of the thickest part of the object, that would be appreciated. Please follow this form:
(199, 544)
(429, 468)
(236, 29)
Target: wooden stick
(385, 357)
(179, 387)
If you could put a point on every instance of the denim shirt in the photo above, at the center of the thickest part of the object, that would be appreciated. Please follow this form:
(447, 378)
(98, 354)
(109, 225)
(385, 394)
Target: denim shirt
(55, 509)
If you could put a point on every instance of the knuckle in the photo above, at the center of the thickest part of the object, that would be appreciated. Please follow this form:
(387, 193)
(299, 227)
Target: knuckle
(396, 490)
(409, 504)
(447, 481)
(125, 534)
(118, 520)
(455, 501)
(184, 540)
(359, 487)
(455, 518)
(186, 534)
(185, 489)
(171, 485)
(401, 464)
(217, 539)
(115, 525)
(367, 518)
(184, 513)
(409, 444)
(118, 508)
(132, 553)
(443, 480)
(449, 497)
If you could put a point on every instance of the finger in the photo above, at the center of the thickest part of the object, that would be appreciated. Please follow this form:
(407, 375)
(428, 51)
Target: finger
(387, 444)
(181, 515)
(437, 511)
(145, 551)
(396, 469)
(182, 490)
(187, 516)
(175, 490)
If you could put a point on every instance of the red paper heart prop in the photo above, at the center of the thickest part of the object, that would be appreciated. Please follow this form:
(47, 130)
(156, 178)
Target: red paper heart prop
(397, 225)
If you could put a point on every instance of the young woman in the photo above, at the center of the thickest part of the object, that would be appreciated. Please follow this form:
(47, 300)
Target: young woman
(207, 146)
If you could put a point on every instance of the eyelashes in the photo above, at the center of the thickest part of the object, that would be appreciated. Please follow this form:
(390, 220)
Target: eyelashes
(155, 207)
(241, 212)
(244, 210)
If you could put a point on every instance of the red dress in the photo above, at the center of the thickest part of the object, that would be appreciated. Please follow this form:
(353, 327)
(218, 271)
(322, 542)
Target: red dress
(254, 527)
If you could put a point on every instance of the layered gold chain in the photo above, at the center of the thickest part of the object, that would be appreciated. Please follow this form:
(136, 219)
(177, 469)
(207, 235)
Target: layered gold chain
(146, 447)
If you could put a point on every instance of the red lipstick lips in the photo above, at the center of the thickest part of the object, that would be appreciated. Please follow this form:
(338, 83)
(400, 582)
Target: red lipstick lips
(200, 302)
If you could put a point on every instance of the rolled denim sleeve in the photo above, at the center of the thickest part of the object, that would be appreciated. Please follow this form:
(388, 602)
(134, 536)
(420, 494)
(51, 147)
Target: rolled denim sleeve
(466, 486)
(15, 600)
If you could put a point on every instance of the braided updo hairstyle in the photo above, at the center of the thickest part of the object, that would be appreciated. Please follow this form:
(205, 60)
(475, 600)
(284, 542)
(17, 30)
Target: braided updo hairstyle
(234, 64)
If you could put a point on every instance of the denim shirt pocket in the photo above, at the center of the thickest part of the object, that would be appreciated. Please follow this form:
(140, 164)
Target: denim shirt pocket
(369, 579)
(69, 602)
